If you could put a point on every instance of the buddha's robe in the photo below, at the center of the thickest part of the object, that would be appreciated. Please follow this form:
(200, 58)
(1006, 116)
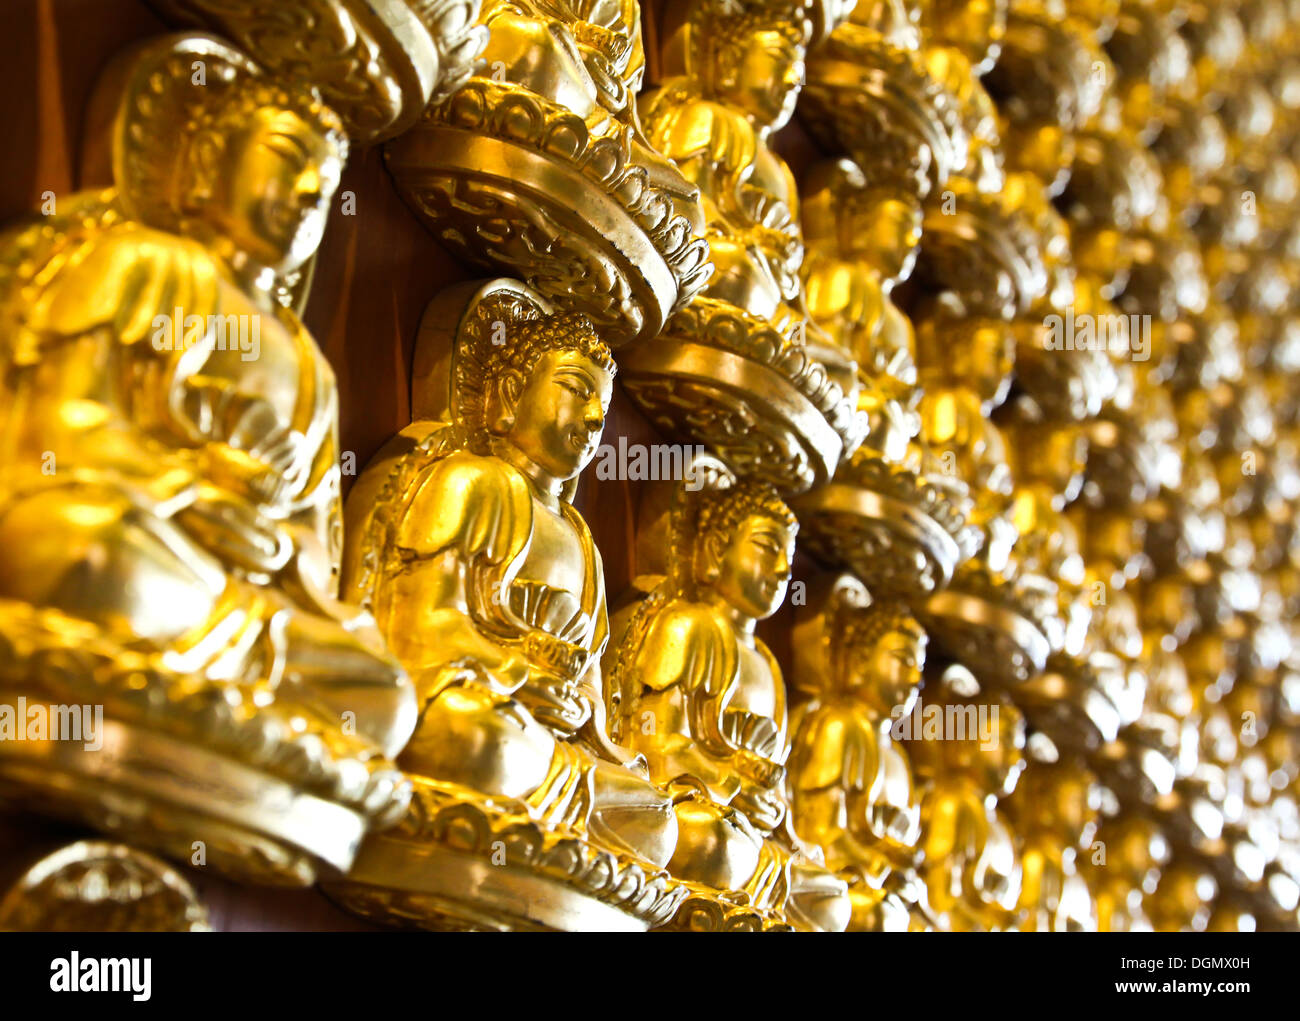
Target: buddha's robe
(502, 634)
(178, 490)
(747, 192)
(707, 710)
(835, 775)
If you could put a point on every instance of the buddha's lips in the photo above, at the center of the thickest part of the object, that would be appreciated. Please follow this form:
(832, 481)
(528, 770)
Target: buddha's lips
(284, 218)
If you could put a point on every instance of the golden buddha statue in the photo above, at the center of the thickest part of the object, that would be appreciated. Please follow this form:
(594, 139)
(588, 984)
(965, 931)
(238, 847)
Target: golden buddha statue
(861, 242)
(1090, 687)
(1183, 900)
(970, 869)
(487, 583)
(1168, 717)
(537, 165)
(1152, 62)
(1066, 388)
(1047, 86)
(859, 663)
(1054, 813)
(892, 514)
(972, 28)
(1115, 188)
(1047, 462)
(960, 389)
(738, 370)
(982, 161)
(965, 366)
(170, 513)
(1122, 868)
(739, 82)
(898, 87)
(701, 697)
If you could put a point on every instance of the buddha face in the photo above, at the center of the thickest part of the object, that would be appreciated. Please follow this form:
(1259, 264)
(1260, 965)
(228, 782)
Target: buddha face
(892, 670)
(1075, 806)
(765, 78)
(272, 187)
(971, 27)
(754, 569)
(977, 353)
(963, 439)
(885, 234)
(558, 416)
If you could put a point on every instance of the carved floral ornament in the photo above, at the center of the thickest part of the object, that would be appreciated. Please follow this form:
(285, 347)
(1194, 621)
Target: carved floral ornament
(950, 593)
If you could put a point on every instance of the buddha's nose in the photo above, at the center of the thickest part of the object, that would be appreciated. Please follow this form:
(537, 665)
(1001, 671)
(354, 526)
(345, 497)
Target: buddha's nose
(309, 187)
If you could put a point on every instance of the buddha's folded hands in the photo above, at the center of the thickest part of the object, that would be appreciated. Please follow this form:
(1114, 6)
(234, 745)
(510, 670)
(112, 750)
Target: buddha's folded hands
(235, 531)
(556, 702)
(765, 807)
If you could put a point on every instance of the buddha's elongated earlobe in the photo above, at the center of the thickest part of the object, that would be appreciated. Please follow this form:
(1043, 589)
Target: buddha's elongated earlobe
(507, 394)
(707, 564)
(204, 158)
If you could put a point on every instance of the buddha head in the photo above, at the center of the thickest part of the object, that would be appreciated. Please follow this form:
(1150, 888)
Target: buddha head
(974, 352)
(1057, 801)
(974, 27)
(967, 444)
(241, 161)
(878, 224)
(1039, 451)
(744, 548)
(547, 393)
(880, 654)
(751, 57)
(1135, 850)
(1182, 897)
(262, 169)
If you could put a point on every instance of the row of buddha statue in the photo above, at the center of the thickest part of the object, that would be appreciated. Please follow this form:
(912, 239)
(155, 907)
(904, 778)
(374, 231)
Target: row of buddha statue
(994, 390)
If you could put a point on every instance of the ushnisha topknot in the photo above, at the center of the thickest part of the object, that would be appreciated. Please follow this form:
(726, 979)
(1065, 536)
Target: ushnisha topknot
(563, 331)
(723, 511)
(722, 27)
(483, 357)
(862, 628)
(228, 110)
(833, 189)
(164, 95)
